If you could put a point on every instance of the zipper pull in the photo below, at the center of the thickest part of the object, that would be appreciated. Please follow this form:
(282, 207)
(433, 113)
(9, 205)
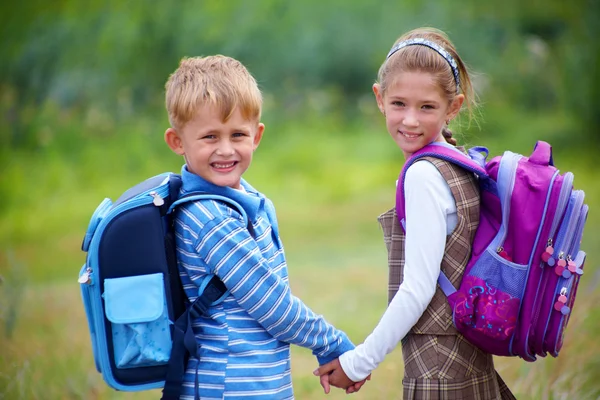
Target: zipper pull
(562, 263)
(579, 267)
(561, 260)
(560, 266)
(553, 257)
(86, 277)
(571, 266)
(156, 199)
(561, 303)
(547, 255)
(502, 253)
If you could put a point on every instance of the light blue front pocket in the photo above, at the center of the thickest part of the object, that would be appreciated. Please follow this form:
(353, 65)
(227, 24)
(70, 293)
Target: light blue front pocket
(136, 306)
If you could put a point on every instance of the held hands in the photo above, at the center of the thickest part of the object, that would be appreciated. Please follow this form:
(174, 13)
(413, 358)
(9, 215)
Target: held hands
(333, 374)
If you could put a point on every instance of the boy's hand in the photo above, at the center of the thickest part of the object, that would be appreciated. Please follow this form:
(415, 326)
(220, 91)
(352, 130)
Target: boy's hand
(332, 373)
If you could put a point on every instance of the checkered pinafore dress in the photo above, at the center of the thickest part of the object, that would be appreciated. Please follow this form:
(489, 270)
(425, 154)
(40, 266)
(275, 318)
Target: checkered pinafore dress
(439, 363)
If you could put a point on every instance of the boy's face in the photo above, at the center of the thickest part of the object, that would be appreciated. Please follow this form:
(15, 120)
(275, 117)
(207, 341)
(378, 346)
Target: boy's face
(220, 152)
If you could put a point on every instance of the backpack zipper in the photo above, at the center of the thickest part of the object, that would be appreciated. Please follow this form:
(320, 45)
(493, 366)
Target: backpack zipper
(563, 198)
(85, 277)
(144, 198)
(157, 200)
(85, 294)
(576, 239)
(508, 165)
(573, 265)
(561, 302)
(563, 201)
(567, 234)
(561, 289)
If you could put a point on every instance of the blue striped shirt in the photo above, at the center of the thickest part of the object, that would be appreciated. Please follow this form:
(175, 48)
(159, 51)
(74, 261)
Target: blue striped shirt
(245, 339)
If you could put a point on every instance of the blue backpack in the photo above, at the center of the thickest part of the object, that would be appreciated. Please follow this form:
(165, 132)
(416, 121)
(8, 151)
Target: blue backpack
(138, 314)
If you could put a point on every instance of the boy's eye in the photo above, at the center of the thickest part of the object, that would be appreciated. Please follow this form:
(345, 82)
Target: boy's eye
(209, 137)
(240, 135)
(397, 103)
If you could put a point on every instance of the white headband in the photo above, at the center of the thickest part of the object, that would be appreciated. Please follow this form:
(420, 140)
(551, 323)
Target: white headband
(439, 49)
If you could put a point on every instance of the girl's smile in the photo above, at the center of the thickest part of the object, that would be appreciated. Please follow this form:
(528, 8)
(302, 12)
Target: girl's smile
(416, 109)
(410, 135)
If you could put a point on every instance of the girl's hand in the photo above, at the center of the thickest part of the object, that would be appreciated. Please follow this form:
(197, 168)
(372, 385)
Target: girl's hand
(356, 387)
(332, 373)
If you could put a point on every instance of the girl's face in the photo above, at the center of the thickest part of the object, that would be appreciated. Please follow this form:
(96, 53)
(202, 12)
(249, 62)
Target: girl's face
(416, 109)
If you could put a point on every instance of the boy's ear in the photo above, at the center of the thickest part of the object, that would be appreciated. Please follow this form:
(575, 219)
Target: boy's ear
(174, 141)
(378, 97)
(258, 136)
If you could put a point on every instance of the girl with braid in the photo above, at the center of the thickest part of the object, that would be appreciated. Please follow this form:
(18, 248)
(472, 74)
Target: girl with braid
(422, 85)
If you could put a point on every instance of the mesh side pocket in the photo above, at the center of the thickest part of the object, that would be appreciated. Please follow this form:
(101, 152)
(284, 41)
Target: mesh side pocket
(137, 309)
(488, 300)
(501, 274)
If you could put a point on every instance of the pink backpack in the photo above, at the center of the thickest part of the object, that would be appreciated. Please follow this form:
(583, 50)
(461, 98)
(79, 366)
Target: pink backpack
(519, 286)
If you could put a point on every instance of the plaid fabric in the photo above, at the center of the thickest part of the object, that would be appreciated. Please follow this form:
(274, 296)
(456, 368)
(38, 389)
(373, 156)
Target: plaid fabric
(439, 363)
(437, 318)
(448, 367)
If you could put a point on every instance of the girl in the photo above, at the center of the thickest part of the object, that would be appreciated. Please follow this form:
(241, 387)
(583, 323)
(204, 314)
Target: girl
(422, 85)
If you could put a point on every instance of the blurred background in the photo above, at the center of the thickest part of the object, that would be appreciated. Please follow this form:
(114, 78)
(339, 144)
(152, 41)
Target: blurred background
(82, 118)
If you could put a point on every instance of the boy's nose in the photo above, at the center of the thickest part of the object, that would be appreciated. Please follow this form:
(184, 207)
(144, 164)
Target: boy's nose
(225, 148)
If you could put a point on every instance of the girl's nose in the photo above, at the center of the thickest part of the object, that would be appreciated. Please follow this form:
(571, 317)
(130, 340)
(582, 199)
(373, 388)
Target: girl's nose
(410, 119)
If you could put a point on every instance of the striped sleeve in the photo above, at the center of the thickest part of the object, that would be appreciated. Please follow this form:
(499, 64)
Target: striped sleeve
(230, 252)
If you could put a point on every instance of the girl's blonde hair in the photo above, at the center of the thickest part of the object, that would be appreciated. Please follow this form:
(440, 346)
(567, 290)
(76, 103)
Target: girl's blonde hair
(217, 80)
(420, 58)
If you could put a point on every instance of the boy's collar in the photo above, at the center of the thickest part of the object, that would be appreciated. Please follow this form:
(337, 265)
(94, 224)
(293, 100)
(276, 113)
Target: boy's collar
(250, 199)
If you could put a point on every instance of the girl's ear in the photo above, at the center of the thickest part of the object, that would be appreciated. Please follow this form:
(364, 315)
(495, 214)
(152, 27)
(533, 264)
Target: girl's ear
(455, 106)
(174, 141)
(378, 97)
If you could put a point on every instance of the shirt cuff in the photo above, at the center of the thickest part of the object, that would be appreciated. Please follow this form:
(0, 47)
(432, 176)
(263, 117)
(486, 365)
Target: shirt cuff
(347, 362)
(343, 347)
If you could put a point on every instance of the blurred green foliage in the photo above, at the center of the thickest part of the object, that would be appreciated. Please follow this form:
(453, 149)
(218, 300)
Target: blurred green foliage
(81, 105)
(536, 57)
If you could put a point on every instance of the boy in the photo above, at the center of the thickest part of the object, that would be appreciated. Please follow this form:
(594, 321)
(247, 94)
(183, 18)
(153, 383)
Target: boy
(214, 107)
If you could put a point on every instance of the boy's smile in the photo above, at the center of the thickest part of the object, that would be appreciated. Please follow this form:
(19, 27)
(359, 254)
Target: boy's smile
(216, 150)
(224, 167)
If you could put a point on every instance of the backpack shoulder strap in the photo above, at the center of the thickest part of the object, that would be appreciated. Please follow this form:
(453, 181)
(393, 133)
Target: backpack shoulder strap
(194, 196)
(474, 161)
(184, 339)
(212, 291)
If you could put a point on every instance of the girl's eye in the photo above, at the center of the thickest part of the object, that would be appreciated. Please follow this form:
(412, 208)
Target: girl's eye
(428, 107)
(398, 103)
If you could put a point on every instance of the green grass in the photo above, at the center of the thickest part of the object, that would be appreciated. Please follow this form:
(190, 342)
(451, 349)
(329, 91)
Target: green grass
(329, 183)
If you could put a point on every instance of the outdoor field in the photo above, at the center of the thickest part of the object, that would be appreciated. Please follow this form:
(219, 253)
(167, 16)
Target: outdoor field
(81, 105)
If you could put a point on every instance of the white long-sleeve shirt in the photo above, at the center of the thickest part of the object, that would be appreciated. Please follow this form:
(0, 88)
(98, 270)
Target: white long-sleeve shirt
(430, 217)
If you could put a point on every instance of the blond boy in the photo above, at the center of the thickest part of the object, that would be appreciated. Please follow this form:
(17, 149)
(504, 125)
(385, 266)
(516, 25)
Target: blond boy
(214, 108)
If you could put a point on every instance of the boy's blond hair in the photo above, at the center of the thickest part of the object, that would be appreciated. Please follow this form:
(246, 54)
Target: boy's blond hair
(217, 80)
